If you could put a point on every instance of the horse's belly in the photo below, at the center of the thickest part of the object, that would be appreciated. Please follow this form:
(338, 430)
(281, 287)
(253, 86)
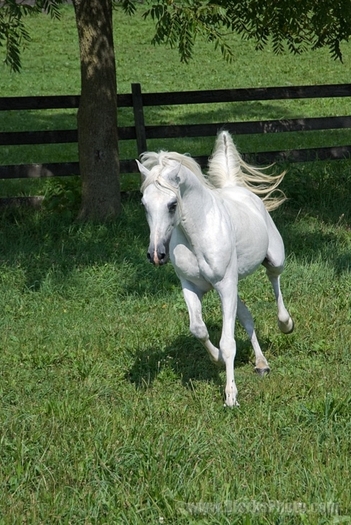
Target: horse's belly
(248, 217)
(251, 250)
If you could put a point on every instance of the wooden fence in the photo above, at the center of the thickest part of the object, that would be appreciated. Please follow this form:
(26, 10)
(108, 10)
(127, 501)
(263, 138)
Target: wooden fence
(141, 131)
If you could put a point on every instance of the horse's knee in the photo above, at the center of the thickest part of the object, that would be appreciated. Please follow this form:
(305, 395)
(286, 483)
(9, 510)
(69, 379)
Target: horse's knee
(273, 271)
(199, 331)
(228, 351)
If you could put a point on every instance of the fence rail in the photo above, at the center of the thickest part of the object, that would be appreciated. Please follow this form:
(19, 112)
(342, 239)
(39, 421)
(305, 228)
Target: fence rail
(141, 132)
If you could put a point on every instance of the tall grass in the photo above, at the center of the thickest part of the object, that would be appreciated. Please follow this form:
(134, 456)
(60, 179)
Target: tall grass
(110, 411)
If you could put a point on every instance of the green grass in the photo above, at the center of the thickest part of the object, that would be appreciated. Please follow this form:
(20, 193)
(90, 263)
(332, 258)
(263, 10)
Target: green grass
(111, 412)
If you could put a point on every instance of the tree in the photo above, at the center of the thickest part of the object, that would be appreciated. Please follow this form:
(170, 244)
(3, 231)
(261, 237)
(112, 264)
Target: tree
(97, 114)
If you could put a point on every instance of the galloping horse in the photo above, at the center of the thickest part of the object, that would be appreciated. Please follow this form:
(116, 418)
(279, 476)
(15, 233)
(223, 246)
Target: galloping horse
(216, 230)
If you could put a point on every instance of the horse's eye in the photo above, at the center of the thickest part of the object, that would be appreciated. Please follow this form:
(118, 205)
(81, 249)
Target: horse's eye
(172, 206)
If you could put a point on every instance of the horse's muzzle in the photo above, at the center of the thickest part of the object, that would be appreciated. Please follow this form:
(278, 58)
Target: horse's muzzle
(157, 257)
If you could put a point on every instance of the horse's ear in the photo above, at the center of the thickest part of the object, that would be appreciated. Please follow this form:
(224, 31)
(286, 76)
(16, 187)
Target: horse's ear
(144, 171)
(175, 174)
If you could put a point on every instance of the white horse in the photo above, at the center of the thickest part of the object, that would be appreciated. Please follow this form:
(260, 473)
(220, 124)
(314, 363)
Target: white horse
(215, 230)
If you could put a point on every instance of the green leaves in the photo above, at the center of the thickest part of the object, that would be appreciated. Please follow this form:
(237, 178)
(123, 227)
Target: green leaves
(13, 33)
(295, 26)
(128, 6)
(174, 27)
(179, 24)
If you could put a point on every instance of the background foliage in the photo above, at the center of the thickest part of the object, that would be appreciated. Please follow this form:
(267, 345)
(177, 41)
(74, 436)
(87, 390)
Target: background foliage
(293, 26)
(51, 66)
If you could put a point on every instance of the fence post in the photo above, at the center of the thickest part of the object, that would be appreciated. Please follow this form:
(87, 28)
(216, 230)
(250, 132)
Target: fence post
(138, 110)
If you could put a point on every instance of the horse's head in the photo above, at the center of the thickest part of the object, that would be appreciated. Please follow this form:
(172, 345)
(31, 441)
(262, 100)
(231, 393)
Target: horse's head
(160, 189)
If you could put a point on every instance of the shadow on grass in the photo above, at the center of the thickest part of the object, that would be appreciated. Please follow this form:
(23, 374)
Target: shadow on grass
(186, 359)
(33, 120)
(315, 221)
(342, 263)
(39, 241)
(314, 244)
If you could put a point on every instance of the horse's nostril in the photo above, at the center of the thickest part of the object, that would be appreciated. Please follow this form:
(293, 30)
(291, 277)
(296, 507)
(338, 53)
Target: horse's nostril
(162, 256)
(148, 256)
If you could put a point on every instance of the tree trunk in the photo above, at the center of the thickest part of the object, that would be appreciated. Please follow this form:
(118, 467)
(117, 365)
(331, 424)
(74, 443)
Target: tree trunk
(97, 113)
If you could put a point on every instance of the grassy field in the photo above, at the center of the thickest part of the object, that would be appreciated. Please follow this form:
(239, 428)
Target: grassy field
(111, 413)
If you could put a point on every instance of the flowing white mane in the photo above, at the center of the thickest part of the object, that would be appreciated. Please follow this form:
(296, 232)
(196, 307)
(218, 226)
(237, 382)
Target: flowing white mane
(156, 162)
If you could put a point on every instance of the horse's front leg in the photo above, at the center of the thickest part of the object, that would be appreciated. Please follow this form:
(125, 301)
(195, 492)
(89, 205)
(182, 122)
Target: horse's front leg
(193, 297)
(228, 294)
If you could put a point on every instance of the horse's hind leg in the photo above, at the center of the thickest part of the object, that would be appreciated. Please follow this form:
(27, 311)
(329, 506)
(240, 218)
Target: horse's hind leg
(285, 322)
(245, 318)
(274, 264)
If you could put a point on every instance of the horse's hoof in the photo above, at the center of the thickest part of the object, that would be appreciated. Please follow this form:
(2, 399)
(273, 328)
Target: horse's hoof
(230, 399)
(262, 371)
(231, 404)
(286, 329)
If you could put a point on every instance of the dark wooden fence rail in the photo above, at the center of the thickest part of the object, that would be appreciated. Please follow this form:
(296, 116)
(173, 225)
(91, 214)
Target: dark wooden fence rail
(142, 132)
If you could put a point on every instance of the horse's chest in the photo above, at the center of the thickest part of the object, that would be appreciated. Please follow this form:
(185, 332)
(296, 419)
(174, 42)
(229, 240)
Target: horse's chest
(182, 256)
(198, 266)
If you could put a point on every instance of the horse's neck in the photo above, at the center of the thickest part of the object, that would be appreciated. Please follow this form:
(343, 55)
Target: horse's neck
(197, 204)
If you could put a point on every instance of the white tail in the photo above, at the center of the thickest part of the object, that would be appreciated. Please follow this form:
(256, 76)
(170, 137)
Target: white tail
(227, 167)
